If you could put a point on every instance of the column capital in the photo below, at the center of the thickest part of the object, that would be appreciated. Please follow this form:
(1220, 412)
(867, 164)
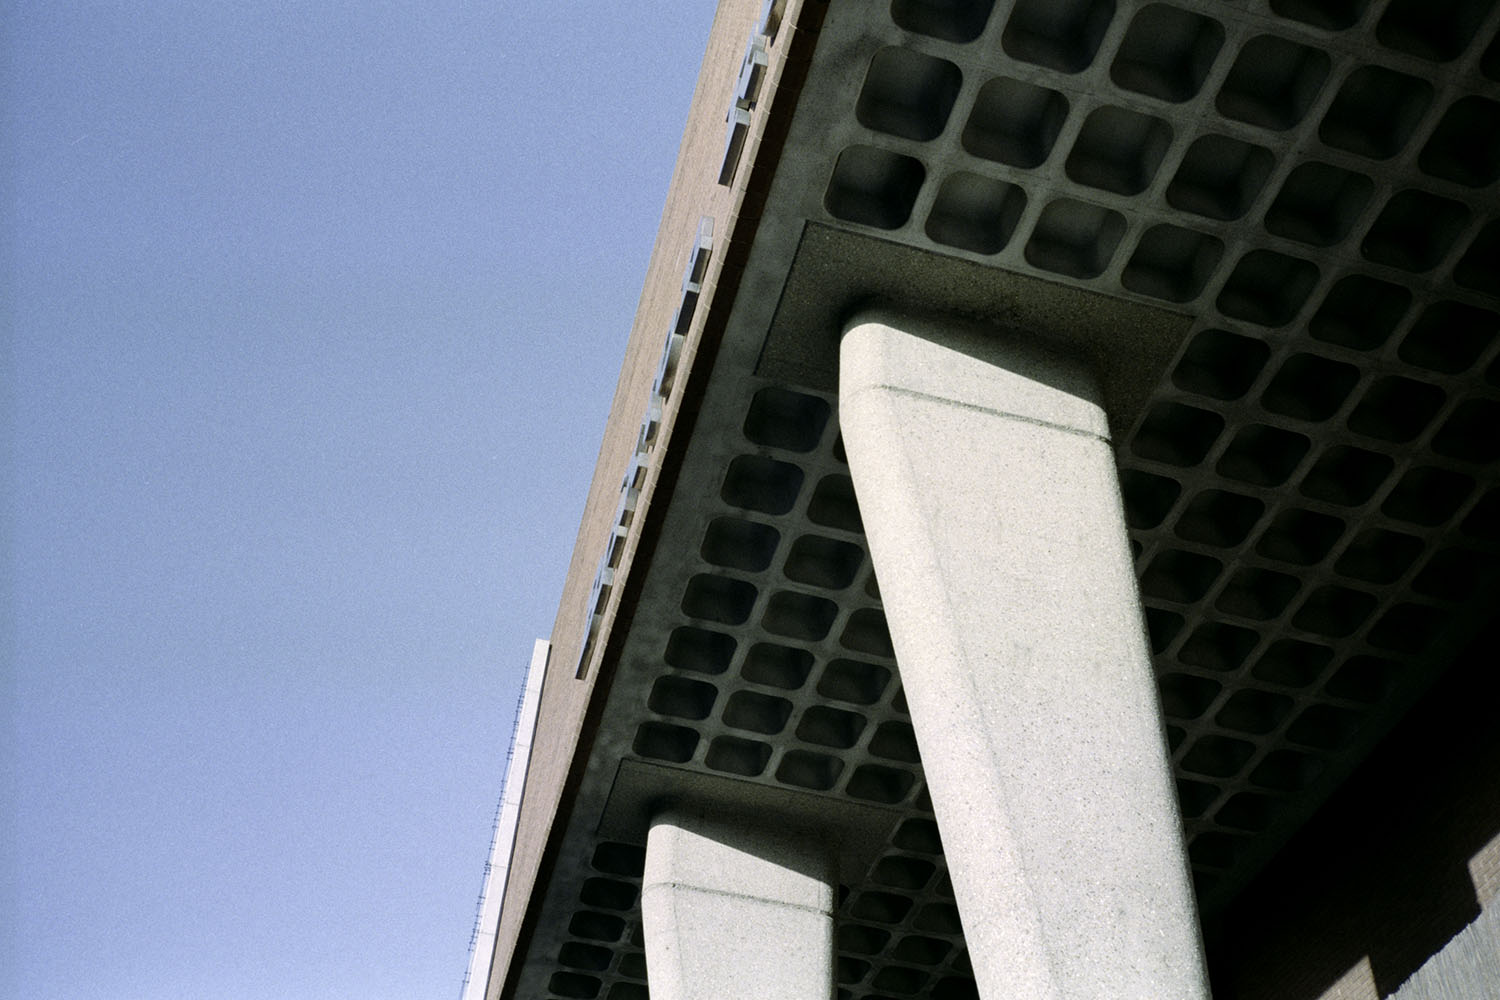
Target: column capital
(969, 364)
(734, 909)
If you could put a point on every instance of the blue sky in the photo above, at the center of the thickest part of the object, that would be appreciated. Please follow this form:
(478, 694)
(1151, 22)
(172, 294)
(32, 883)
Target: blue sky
(312, 314)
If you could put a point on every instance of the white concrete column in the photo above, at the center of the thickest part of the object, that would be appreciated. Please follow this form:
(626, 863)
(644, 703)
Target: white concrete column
(733, 910)
(988, 490)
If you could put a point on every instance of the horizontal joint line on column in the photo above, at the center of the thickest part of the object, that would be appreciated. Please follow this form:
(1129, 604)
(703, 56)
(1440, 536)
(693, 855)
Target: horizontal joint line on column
(734, 895)
(900, 391)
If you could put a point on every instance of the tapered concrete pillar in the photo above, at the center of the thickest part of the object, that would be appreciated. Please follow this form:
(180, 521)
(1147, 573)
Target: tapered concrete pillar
(989, 493)
(733, 910)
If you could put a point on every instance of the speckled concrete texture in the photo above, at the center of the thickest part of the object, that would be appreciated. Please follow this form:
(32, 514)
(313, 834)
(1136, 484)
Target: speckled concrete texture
(989, 494)
(1467, 969)
(735, 910)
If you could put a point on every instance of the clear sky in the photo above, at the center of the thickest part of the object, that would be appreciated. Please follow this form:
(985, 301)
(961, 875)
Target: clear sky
(312, 312)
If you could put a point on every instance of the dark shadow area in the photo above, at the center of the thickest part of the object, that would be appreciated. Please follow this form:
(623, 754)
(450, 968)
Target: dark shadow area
(1382, 869)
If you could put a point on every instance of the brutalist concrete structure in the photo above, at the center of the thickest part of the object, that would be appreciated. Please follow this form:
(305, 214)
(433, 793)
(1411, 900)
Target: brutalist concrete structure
(1045, 541)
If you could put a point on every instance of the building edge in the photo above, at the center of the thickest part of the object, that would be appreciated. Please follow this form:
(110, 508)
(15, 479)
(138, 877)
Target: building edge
(572, 699)
(497, 868)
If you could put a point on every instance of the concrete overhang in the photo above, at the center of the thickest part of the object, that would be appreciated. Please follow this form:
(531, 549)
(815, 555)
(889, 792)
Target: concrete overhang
(1276, 238)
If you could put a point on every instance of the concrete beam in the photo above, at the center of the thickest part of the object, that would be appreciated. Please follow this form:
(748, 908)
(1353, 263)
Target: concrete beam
(990, 497)
(734, 911)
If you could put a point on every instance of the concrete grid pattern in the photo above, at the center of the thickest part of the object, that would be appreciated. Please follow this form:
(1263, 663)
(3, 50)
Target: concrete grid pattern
(1311, 486)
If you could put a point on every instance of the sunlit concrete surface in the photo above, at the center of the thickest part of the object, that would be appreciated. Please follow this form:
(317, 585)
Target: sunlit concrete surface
(989, 494)
(1468, 967)
(736, 907)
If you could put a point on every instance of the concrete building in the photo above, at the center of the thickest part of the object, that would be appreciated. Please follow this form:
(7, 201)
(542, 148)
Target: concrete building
(1045, 540)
